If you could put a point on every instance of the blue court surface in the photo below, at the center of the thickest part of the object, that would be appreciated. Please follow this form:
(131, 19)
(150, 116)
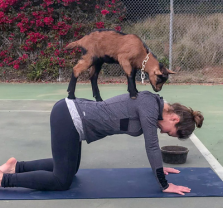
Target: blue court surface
(114, 172)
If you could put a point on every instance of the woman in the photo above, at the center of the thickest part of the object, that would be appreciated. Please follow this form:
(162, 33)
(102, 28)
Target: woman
(75, 120)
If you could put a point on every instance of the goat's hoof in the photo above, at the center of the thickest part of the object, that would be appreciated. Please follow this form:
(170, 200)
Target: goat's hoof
(133, 97)
(72, 97)
(98, 100)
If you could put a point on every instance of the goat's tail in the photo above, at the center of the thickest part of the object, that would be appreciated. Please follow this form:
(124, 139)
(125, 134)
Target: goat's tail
(72, 45)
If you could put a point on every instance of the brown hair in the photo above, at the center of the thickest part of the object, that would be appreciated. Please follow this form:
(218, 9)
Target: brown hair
(188, 119)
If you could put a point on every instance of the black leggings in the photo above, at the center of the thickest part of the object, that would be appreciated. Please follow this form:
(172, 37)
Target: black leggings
(51, 174)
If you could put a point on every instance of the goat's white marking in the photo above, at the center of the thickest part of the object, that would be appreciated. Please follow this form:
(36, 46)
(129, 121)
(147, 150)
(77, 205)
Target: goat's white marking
(217, 167)
(84, 113)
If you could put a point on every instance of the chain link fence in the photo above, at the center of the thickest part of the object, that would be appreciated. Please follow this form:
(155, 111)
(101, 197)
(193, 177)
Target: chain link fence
(189, 39)
(186, 35)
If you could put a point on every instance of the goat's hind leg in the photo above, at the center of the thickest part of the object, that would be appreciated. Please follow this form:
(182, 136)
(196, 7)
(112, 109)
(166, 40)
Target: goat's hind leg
(72, 86)
(94, 81)
(81, 66)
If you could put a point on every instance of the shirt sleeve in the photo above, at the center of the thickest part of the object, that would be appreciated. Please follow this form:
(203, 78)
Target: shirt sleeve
(148, 114)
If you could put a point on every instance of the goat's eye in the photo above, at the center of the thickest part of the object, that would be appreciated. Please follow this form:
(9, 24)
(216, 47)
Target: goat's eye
(161, 78)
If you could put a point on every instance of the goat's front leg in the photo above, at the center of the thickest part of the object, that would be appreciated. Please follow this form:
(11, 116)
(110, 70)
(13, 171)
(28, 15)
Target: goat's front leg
(131, 78)
(94, 81)
(131, 87)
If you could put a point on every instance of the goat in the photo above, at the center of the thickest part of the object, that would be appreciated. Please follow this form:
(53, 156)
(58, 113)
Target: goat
(109, 46)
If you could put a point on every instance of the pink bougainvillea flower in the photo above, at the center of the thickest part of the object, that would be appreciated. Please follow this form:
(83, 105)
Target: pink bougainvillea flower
(55, 27)
(118, 28)
(5, 4)
(50, 10)
(100, 25)
(2, 15)
(104, 12)
(16, 66)
(48, 2)
(66, 18)
(11, 2)
(56, 52)
(97, 7)
(3, 53)
(76, 33)
(25, 56)
(49, 45)
(48, 20)
(120, 18)
(39, 23)
(62, 28)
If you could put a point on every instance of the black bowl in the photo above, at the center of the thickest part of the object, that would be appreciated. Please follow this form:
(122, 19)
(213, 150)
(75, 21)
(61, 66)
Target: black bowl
(174, 154)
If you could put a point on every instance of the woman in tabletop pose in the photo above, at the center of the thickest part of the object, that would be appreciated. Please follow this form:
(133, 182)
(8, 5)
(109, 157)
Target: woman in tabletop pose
(72, 121)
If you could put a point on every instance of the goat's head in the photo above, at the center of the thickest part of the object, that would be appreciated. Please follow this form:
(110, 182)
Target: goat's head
(158, 73)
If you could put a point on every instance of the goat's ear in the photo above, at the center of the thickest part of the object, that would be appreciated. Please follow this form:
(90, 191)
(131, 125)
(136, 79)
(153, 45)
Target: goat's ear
(170, 72)
(158, 72)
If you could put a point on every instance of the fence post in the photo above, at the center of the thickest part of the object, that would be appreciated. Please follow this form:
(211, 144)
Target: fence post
(171, 34)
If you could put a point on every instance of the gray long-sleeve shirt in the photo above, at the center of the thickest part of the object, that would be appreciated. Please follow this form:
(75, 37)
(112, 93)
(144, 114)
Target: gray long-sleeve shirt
(123, 115)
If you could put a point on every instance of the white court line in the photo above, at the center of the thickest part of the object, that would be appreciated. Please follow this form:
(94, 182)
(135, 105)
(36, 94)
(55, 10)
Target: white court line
(24, 111)
(208, 156)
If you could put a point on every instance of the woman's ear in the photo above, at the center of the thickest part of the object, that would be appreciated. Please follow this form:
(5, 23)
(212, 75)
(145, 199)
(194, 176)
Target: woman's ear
(175, 118)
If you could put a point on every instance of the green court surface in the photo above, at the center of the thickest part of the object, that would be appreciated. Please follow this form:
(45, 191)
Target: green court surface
(207, 99)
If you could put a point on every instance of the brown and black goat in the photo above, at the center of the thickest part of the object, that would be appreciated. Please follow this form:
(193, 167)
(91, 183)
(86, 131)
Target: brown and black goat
(108, 46)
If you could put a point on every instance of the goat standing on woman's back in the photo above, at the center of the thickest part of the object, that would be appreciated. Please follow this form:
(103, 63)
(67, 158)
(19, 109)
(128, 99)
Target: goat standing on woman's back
(108, 46)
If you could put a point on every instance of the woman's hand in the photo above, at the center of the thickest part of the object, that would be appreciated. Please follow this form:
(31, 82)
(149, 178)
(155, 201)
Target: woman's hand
(177, 189)
(170, 170)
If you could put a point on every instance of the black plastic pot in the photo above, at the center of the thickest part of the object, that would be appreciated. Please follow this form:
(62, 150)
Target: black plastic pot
(174, 154)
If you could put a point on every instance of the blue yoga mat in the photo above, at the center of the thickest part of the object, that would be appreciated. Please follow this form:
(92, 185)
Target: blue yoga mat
(125, 183)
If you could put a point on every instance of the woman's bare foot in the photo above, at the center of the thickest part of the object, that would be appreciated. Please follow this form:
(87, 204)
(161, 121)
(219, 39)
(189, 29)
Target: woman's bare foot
(1, 176)
(9, 166)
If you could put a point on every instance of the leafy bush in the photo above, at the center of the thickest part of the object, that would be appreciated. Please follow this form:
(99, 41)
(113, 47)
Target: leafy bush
(33, 33)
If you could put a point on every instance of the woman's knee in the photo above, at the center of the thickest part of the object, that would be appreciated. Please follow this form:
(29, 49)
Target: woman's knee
(62, 186)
